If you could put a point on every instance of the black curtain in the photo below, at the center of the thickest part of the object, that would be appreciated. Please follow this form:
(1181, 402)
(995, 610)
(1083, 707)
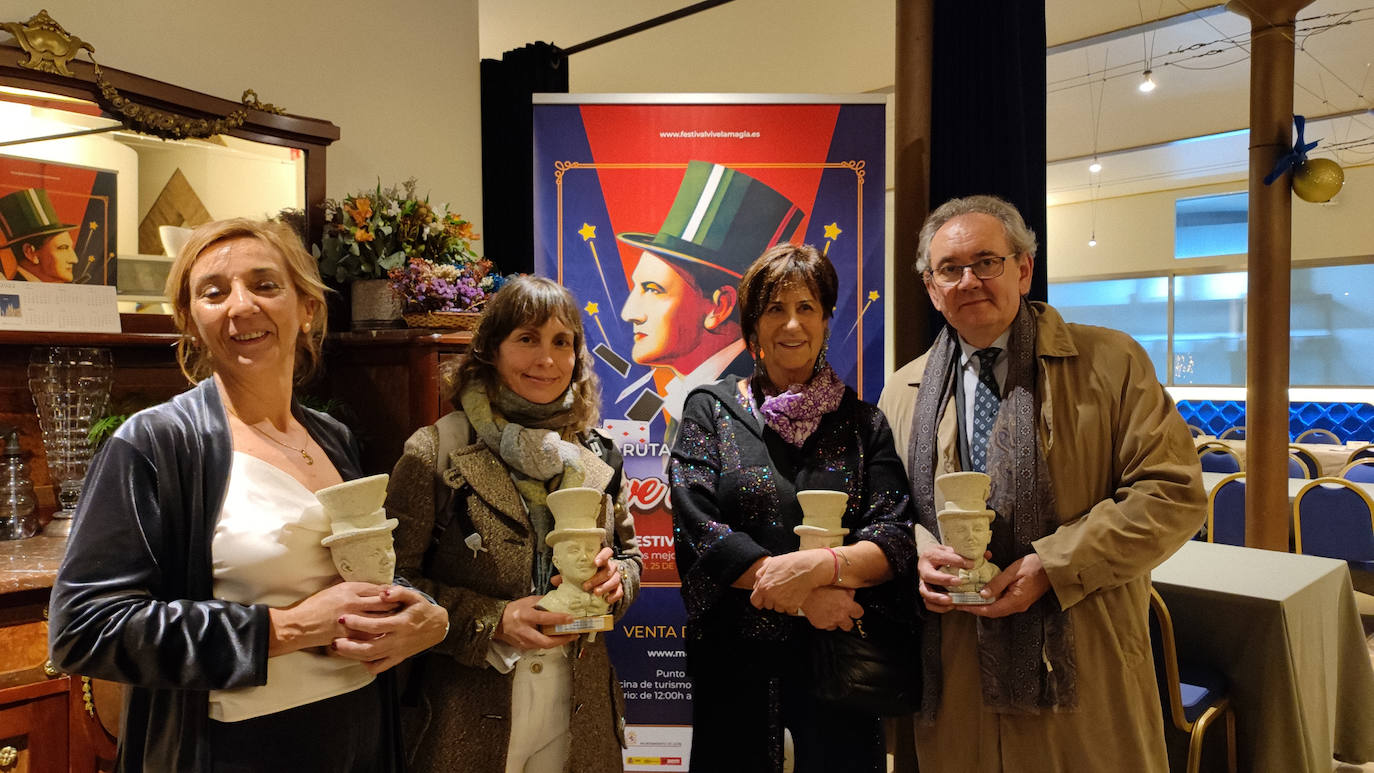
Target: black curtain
(508, 148)
(988, 110)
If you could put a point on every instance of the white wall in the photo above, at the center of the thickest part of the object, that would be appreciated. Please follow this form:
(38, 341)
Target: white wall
(400, 80)
(1135, 234)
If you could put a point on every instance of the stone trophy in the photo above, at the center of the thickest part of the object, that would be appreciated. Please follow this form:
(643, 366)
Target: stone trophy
(966, 526)
(821, 514)
(576, 539)
(360, 542)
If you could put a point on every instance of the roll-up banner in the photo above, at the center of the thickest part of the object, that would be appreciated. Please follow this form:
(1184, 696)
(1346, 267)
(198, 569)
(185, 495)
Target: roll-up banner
(649, 208)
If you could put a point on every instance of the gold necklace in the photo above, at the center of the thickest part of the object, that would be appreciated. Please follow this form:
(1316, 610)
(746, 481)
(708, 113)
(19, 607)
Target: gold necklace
(304, 454)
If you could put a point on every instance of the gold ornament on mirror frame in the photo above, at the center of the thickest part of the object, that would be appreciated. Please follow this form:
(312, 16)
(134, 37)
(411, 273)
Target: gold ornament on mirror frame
(50, 47)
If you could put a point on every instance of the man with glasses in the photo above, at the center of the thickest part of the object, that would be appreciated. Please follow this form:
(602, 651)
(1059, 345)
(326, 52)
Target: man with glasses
(1095, 482)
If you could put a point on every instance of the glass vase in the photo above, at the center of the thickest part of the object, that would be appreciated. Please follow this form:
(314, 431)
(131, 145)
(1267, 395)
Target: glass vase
(70, 387)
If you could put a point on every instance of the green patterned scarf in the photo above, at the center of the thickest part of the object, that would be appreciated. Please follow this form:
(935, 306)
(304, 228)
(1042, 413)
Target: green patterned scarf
(530, 439)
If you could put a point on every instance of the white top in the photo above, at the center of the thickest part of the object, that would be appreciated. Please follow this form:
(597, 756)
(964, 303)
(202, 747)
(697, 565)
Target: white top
(266, 550)
(970, 365)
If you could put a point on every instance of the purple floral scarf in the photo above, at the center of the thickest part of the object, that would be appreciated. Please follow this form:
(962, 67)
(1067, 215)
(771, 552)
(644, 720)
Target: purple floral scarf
(795, 413)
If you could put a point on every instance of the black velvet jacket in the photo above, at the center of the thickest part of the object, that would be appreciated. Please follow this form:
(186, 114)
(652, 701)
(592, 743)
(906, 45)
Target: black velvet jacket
(132, 602)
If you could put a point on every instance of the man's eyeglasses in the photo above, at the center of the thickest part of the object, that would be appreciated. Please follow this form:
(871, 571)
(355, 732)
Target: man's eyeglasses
(949, 275)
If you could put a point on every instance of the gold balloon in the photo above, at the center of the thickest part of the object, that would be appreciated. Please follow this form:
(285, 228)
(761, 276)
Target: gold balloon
(1317, 180)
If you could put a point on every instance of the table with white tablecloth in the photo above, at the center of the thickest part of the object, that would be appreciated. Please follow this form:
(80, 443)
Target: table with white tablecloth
(1211, 479)
(1285, 631)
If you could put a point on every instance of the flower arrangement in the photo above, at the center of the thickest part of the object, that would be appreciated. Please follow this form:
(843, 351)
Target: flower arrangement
(369, 234)
(425, 286)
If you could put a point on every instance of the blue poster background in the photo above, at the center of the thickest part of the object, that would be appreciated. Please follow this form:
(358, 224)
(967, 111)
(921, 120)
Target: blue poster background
(602, 169)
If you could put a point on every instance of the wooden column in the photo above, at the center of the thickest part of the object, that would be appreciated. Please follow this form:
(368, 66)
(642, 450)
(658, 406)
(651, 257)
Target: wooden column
(1270, 264)
(911, 333)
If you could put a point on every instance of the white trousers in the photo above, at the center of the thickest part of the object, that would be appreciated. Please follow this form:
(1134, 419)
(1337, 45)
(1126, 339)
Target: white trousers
(540, 713)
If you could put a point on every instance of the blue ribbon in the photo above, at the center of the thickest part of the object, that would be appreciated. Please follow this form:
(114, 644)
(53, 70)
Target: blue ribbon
(1294, 157)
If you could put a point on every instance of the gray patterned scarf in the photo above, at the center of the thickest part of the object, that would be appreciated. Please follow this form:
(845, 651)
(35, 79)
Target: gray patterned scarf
(1026, 660)
(522, 434)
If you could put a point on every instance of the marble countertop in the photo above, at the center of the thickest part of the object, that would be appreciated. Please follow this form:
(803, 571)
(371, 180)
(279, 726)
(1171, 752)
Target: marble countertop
(30, 563)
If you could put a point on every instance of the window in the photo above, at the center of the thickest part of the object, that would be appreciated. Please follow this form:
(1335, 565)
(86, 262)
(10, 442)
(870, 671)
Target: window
(1211, 225)
(1331, 323)
(1139, 307)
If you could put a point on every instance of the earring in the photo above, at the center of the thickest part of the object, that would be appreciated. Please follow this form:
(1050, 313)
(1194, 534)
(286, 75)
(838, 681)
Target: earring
(820, 357)
(305, 328)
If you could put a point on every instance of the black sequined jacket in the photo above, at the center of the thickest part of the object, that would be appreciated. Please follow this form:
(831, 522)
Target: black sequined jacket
(132, 602)
(734, 485)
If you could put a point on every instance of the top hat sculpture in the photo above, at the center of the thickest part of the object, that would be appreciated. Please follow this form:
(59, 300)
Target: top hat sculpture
(966, 526)
(576, 539)
(360, 533)
(821, 514)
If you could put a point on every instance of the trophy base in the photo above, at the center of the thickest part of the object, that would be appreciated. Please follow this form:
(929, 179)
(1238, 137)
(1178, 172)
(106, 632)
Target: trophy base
(592, 624)
(968, 599)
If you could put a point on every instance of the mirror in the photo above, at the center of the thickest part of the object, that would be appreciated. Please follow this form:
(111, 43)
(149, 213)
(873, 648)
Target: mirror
(119, 164)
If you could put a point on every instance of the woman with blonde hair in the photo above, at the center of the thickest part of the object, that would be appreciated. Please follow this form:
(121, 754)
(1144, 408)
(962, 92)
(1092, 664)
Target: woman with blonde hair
(194, 572)
(498, 695)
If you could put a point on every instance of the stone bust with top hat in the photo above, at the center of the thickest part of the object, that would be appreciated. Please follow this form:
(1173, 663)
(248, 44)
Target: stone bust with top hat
(35, 245)
(682, 304)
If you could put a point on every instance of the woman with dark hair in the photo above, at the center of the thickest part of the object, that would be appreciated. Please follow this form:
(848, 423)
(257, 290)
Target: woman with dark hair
(194, 572)
(498, 695)
(745, 447)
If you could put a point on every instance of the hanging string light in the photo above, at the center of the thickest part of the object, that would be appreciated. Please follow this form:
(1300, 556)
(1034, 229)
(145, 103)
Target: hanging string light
(1147, 84)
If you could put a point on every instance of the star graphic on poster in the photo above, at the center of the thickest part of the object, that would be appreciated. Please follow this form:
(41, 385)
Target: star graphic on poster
(872, 295)
(832, 231)
(591, 308)
(587, 232)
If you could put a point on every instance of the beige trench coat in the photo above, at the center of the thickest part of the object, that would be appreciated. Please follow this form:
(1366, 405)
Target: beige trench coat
(463, 721)
(1128, 491)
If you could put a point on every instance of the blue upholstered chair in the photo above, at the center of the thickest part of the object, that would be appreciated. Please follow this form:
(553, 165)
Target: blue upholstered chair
(1360, 471)
(1333, 517)
(1218, 458)
(1226, 511)
(1318, 435)
(1193, 696)
(1196, 430)
(1309, 462)
(1296, 469)
(1233, 433)
(1365, 452)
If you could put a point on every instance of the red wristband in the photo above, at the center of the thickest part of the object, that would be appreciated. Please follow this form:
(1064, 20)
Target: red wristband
(836, 558)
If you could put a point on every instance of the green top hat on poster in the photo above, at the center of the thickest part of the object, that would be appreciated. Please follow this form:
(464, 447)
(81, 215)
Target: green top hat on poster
(722, 219)
(28, 213)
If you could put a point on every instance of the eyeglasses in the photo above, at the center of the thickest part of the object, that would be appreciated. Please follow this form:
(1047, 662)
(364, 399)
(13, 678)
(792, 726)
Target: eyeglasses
(949, 275)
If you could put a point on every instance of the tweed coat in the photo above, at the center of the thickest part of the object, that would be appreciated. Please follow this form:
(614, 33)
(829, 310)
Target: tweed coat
(462, 717)
(1128, 493)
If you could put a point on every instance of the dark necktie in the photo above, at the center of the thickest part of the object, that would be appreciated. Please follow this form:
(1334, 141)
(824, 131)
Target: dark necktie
(985, 405)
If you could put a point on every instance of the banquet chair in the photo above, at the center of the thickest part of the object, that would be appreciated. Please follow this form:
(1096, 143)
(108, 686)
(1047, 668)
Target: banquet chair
(1218, 459)
(1361, 471)
(1296, 469)
(1363, 452)
(1308, 459)
(1226, 511)
(1333, 517)
(1196, 430)
(1318, 435)
(1233, 433)
(1193, 696)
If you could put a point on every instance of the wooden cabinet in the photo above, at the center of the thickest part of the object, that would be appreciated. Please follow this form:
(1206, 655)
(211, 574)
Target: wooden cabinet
(387, 382)
(45, 717)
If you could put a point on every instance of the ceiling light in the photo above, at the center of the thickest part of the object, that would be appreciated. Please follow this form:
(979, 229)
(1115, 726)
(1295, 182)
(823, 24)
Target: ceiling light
(1094, 167)
(1148, 84)
(1092, 242)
